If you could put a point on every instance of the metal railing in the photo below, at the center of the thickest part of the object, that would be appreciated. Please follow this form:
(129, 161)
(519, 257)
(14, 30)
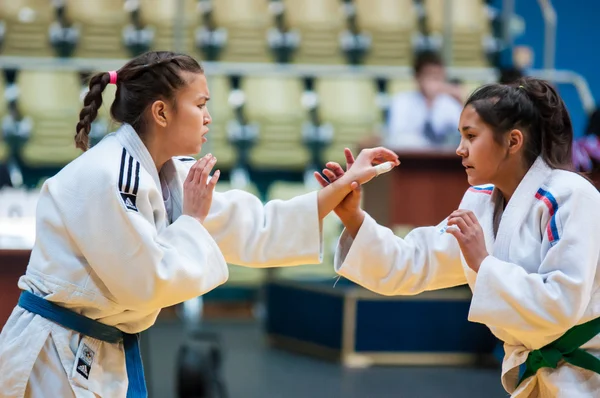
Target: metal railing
(550, 20)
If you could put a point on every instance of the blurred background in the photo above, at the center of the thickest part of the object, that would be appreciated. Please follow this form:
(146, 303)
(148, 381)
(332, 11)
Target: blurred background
(294, 82)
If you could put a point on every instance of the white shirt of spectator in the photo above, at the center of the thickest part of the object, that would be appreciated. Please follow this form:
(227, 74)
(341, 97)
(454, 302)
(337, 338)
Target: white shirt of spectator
(409, 113)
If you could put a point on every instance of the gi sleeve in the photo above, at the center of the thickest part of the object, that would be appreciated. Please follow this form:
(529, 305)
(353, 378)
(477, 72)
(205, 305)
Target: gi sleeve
(278, 233)
(141, 268)
(554, 299)
(426, 259)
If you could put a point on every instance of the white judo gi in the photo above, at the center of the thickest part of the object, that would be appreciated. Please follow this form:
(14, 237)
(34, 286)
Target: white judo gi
(539, 280)
(105, 249)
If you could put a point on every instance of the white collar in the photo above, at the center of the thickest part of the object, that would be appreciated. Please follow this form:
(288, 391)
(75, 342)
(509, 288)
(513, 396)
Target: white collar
(132, 142)
(520, 204)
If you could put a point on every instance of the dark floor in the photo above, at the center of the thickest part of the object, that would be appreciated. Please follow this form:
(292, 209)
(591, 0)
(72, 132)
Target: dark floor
(253, 370)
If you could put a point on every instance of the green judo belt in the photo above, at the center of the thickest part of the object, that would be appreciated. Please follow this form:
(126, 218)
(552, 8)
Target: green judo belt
(566, 347)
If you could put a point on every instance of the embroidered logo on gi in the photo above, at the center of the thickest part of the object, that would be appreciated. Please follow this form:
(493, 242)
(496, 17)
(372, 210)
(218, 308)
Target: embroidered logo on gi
(129, 201)
(129, 180)
(87, 354)
(83, 369)
(84, 362)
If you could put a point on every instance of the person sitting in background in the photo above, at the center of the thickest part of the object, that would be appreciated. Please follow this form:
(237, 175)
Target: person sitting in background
(426, 117)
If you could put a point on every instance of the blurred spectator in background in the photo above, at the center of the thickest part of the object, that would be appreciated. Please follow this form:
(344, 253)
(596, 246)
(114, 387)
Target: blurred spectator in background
(426, 117)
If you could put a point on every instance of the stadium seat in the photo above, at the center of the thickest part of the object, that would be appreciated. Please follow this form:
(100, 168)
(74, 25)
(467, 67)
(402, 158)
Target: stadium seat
(274, 104)
(472, 26)
(246, 22)
(101, 26)
(349, 104)
(467, 15)
(162, 16)
(469, 25)
(320, 23)
(470, 86)
(400, 85)
(391, 24)
(240, 12)
(27, 23)
(51, 143)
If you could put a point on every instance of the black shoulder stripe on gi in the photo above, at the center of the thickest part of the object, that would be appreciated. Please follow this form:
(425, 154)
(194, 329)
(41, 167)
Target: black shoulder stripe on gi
(137, 178)
(129, 180)
(129, 172)
(122, 170)
(186, 159)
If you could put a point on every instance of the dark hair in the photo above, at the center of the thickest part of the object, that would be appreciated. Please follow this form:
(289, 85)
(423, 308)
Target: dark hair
(509, 75)
(143, 80)
(424, 58)
(534, 107)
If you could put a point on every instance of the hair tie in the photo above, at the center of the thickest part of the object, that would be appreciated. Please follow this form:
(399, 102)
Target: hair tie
(522, 87)
(113, 76)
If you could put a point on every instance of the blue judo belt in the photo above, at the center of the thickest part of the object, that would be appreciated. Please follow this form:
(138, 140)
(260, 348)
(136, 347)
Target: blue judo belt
(96, 330)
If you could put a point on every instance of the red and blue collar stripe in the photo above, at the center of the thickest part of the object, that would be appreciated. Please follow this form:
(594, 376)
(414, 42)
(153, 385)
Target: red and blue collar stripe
(552, 205)
(485, 190)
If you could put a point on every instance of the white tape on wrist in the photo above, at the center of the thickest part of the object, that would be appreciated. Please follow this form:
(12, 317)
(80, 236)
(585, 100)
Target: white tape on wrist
(384, 167)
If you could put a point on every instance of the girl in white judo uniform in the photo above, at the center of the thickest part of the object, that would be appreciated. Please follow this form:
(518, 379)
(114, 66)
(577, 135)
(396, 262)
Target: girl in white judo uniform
(128, 228)
(525, 238)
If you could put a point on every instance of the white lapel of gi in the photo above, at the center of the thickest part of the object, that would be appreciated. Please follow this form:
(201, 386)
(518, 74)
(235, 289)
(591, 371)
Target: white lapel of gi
(519, 206)
(487, 221)
(169, 172)
(133, 144)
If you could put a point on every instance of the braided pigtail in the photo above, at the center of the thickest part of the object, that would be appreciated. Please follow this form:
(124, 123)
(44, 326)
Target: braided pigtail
(91, 103)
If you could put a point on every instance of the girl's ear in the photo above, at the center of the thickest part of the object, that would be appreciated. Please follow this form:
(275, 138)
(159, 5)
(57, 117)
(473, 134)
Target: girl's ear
(515, 141)
(158, 111)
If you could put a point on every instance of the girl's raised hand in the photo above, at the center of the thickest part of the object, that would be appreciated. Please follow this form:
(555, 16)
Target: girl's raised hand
(198, 188)
(365, 166)
(469, 234)
(333, 172)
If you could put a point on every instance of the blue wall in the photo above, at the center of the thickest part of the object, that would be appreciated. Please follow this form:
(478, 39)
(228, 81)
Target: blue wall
(576, 47)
